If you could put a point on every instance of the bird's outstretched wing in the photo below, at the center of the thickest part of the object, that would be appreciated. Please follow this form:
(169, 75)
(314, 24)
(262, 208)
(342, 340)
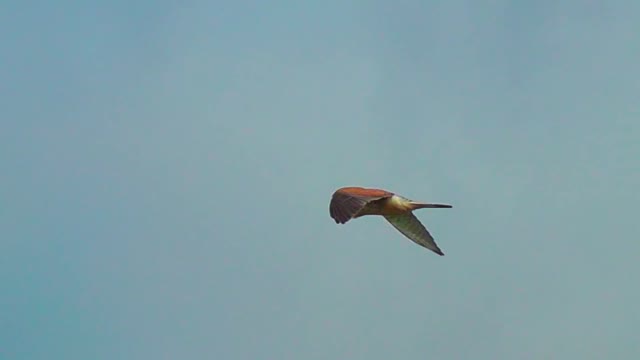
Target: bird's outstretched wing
(412, 228)
(347, 202)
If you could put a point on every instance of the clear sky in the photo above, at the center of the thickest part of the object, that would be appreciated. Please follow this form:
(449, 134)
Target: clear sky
(167, 169)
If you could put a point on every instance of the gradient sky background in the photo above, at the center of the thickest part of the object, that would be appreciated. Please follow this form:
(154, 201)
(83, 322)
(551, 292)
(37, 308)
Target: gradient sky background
(167, 169)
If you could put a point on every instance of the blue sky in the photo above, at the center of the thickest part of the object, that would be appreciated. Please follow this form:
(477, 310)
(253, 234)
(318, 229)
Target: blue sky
(168, 169)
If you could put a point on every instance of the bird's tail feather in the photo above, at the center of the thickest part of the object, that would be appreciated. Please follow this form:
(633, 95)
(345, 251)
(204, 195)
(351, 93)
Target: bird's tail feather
(417, 205)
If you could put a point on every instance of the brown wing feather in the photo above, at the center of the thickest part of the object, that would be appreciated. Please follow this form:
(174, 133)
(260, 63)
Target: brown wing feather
(347, 202)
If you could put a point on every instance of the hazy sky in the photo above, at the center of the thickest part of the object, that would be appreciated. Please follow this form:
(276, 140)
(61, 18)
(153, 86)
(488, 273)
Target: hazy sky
(167, 169)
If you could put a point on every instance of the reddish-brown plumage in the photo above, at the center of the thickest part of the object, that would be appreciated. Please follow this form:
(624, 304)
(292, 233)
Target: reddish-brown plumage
(353, 202)
(360, 191)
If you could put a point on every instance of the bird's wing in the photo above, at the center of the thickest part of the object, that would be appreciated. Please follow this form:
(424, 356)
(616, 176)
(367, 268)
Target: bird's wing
(412, 228)
(346, 204)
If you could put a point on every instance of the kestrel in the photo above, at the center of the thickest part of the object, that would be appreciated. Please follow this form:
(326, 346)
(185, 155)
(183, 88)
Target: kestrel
(353, 202)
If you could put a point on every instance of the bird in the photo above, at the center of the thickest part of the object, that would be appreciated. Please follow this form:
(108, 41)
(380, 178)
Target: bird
(353, 202)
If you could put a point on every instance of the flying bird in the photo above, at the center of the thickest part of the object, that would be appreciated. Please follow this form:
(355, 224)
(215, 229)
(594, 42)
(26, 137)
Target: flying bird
(353, 202)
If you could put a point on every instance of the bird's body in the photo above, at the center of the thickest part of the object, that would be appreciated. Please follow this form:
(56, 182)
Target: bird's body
(353, 202)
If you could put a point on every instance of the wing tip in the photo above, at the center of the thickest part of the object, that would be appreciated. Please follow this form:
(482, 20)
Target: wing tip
(339, 216)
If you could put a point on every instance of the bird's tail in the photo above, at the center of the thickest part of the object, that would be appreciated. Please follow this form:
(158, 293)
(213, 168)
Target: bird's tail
(417, 205)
